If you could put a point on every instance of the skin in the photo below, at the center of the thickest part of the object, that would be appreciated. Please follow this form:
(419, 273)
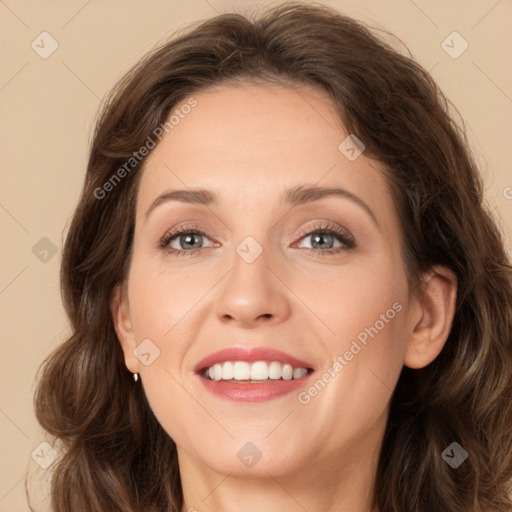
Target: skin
(248, 144)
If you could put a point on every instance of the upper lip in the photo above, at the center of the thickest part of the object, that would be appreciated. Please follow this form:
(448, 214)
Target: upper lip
(250, 355)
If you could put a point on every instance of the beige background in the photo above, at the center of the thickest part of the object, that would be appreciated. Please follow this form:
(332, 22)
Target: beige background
(47, 111)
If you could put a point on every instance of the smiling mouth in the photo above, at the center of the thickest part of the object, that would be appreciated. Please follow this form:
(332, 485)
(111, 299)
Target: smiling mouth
(253, 373)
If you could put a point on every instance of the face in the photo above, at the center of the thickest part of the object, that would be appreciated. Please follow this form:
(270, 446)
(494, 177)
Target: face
(296, 300)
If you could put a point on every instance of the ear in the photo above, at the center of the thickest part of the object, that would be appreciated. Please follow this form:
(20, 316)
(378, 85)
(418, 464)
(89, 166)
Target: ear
(431, 317)
(120, 311)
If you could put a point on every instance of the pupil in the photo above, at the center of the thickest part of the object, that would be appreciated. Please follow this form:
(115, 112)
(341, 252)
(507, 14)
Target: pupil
(188, 238)
(317, 237)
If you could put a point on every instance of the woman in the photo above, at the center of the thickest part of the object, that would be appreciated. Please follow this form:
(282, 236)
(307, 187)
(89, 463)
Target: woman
(339, 334)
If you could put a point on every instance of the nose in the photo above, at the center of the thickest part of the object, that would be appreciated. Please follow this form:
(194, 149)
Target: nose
(253, 293)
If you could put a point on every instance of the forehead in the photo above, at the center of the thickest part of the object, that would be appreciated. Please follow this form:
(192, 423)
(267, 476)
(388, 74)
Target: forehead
(250, 142)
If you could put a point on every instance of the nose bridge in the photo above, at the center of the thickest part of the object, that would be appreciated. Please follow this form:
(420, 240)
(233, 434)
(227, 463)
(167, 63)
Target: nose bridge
(251, 263)
(251, 290)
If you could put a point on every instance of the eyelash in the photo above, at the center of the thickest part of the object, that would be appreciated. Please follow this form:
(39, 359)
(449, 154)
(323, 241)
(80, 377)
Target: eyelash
(323, 228)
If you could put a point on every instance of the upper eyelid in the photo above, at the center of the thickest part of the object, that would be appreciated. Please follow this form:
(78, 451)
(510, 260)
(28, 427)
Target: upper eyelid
(325, 225)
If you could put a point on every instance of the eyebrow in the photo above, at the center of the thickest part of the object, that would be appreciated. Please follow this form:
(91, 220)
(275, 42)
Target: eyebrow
(299, 195)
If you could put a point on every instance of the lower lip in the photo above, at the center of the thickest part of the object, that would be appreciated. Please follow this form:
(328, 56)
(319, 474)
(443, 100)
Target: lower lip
(253, 392)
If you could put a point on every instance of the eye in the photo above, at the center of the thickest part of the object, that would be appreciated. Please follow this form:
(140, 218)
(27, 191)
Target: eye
(188, 239)
(324, 236)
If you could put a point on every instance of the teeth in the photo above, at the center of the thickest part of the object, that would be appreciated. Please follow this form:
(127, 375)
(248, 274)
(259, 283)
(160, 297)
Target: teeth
(299, 373)
(217, 371)
(259, 370)
(242, 370)
(274, 370)
(228, 370)
(287, 372)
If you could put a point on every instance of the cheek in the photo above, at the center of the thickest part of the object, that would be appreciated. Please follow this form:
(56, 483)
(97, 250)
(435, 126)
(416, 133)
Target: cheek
(365, 299)
(366, 312)
(158, 308)
(370, 320)
(159, 301)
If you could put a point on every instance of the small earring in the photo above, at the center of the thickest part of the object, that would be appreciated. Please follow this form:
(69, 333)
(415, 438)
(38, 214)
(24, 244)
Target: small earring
(135, 377)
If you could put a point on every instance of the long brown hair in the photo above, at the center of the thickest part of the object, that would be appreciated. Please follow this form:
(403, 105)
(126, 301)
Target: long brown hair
(114, 455)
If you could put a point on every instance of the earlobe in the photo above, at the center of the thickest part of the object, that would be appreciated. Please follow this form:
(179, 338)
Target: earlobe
(431, 318)
(120, 311)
